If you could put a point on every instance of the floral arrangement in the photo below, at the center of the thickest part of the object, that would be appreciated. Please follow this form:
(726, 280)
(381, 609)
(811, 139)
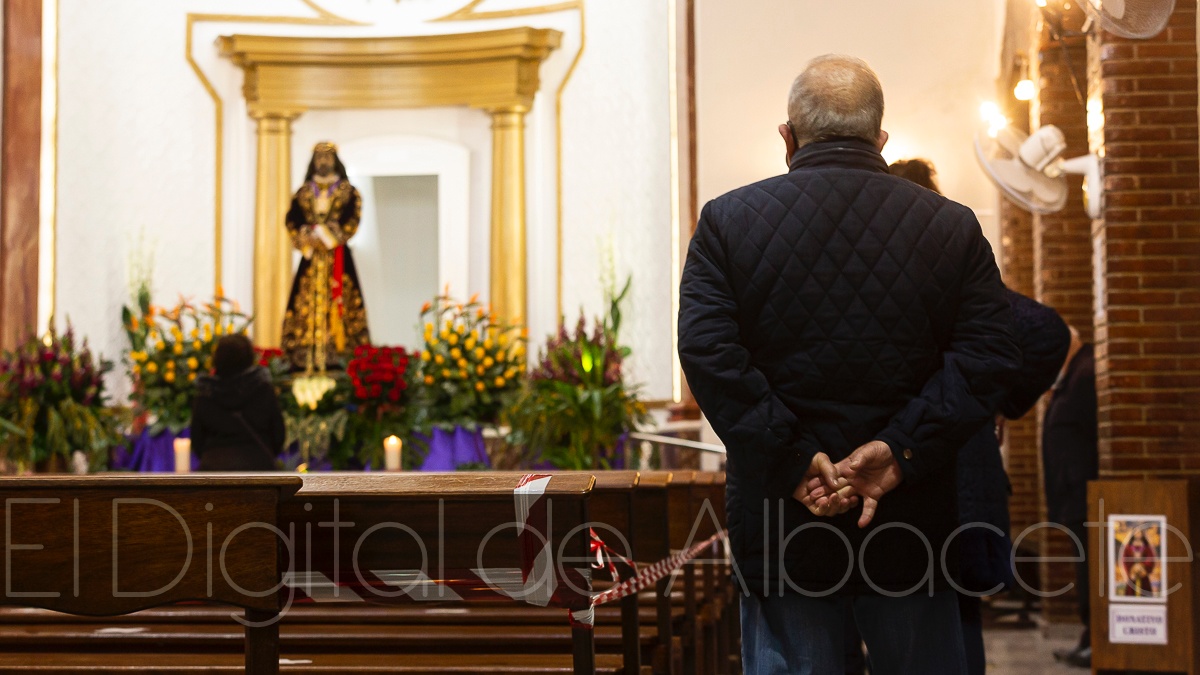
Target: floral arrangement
(576, 406)
(379, 377)
(377, 374)
(169, 349)
(52, 402)
(471, 365)
(268, 357)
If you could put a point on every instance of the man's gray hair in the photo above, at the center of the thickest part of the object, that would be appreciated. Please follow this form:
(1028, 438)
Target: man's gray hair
(836, 96)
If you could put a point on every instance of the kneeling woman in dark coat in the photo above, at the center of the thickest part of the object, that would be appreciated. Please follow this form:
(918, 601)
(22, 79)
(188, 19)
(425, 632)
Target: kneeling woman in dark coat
(236, 421)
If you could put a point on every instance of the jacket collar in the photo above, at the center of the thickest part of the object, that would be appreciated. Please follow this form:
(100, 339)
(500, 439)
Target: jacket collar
(845, 153)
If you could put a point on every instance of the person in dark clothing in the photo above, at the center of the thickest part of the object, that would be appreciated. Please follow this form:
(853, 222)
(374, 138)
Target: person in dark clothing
(919, 171)
(236, 421)
(842, 326)
(985, 546)
(983, 489)
(1070, 458)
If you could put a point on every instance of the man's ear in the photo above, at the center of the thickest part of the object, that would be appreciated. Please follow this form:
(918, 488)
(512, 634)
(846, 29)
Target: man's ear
(789, 142)
(883, 139)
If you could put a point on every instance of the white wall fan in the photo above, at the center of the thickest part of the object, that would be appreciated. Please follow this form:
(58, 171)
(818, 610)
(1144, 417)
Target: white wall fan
(1030, 170)
(1131, 18)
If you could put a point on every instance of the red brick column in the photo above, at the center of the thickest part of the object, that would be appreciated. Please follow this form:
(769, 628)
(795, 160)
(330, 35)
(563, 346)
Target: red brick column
(1063, 255)
(1147, 247)
(1020, 436)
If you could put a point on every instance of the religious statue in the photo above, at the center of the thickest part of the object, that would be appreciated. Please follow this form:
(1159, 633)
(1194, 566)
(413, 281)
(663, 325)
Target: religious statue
(326, 318)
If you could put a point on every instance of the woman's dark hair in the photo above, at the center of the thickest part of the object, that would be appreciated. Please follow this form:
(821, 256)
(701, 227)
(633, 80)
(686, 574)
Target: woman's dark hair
(338, 168)
(235, 353)
(919, 171)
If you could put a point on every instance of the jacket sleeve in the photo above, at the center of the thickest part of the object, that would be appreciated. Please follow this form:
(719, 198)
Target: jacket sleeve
(1043, 338)
(758, 430)
(977, 367)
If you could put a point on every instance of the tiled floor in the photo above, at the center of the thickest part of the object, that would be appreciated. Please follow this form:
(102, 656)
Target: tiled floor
(1025, 652)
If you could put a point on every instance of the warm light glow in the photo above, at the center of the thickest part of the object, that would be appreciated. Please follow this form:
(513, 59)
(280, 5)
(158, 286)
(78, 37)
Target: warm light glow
(896, 149)
(1025, 90)
(1095, 115)
(1040, 3)
(990, 113)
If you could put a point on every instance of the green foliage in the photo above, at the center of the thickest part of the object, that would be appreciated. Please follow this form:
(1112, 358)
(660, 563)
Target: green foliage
(340, 430)
(52, 403)
(576, 406)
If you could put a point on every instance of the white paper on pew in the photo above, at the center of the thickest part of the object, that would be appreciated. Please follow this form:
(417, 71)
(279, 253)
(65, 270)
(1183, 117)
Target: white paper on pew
(413, 583)
(541, 582)
(115, 630)
(295, 662)
(319, 587)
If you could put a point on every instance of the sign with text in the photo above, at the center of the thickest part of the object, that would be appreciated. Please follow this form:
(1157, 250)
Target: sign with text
(1137, 624)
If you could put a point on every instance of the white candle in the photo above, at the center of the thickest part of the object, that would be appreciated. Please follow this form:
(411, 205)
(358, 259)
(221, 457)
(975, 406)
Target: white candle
(183, 455)
(391, 453)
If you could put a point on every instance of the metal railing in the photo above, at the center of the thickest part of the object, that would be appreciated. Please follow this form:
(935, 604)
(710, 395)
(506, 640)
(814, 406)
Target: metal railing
(679, 442)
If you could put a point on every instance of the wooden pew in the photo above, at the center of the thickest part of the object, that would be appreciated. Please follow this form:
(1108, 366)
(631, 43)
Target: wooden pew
(469, 519)
(103, 546)
(615, 499)
(611, 502)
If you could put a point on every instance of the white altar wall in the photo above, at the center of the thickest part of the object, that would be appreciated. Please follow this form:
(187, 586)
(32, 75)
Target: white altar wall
(137, 144)
(937, 61)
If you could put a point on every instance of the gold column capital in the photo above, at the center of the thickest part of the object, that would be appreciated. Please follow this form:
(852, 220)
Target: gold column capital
(268, 114)
(507, 114)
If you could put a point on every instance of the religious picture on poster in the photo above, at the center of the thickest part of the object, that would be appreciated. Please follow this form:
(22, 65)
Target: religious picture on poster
(1137, 547)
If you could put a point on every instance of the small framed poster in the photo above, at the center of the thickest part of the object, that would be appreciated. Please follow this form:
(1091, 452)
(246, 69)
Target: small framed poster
(1137, 547)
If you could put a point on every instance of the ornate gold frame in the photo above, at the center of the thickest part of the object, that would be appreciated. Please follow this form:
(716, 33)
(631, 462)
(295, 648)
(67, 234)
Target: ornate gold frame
(496, 71)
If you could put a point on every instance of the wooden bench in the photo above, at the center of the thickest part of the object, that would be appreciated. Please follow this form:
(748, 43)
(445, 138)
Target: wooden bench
(102, 546)
(619, 500)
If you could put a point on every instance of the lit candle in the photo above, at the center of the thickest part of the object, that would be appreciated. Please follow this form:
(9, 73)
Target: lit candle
(391, 453)
(183, 455)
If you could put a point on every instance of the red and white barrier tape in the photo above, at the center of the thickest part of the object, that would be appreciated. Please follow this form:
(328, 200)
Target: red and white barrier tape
(537, 558)
(646, 578)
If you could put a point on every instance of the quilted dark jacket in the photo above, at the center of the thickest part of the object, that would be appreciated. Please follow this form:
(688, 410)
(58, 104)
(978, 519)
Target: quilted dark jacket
(1043, 338)
(820, 310)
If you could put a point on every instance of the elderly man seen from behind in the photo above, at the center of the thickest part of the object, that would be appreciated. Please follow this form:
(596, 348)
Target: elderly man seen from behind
(845, 332)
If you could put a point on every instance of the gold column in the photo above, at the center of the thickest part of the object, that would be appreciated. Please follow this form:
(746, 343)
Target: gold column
(272, 246)
(508, 214)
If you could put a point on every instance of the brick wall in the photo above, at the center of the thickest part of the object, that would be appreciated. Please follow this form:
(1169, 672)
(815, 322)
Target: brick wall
(1062, 244)
(1063, 241)
(1147, 247)
(1020, 436)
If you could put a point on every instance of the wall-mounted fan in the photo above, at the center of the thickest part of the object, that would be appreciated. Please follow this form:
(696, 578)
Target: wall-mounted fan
(1131, 18)
(1030, 171)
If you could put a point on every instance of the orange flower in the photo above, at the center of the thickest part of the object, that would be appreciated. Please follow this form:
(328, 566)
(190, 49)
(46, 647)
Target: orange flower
(474, 298)
(426, 307)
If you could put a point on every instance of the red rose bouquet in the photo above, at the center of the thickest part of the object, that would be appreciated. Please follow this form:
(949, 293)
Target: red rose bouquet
(378, 374)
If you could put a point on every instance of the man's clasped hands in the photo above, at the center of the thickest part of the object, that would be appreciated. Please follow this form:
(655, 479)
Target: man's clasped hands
(868, 473)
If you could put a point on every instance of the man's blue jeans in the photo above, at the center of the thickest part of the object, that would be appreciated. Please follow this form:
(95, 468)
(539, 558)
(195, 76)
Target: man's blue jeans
(794, 634)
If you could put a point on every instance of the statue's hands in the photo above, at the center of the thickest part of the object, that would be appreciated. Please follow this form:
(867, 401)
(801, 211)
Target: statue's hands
(309, 240)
